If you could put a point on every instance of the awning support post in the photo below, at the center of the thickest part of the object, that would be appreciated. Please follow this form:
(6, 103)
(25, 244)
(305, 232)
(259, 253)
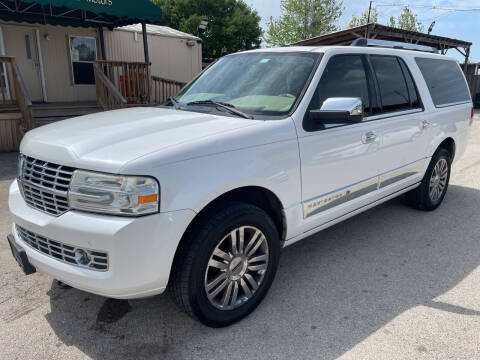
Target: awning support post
(467, 55)
(102, 43)
(145, 43)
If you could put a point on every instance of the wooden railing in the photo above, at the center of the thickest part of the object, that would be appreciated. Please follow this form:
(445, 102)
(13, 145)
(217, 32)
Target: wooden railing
(14, 92)
(131, 79)
(23, 100)
(162, 89)
(108, 96)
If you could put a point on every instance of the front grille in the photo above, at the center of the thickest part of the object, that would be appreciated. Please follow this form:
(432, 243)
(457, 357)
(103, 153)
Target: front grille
(66, 253)
(45, 185)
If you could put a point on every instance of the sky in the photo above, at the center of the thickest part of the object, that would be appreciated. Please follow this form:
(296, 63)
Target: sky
(462, 25)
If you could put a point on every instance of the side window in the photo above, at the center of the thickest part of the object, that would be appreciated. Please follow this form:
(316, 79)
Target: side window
(344, 76)
(412, 89)
(394, 93)
(444, 80)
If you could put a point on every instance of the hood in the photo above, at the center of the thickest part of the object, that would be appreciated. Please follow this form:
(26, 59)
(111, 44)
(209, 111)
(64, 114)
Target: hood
(107, 140)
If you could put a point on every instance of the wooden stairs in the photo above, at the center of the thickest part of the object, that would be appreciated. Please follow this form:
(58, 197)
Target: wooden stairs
(10, 134)
(11, 119)
(44, 114)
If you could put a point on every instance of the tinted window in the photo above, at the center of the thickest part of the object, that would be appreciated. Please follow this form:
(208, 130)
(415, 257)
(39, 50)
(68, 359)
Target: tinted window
(444, 80)
(412, 89)
(344, 76)
(391, 83)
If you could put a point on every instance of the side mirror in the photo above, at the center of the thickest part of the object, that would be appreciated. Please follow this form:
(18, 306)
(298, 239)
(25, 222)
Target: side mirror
(339, 110)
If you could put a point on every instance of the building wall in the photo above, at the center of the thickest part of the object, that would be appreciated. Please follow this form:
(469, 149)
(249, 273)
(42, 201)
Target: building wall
(56, 60)
(171, 58)
(57, 65)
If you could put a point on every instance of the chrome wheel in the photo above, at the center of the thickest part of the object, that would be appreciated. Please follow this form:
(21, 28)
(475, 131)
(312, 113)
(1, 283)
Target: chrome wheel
(438, 180)
(236, 268)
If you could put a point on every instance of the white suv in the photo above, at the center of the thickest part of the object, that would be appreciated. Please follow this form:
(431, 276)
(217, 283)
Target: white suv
(261, 150)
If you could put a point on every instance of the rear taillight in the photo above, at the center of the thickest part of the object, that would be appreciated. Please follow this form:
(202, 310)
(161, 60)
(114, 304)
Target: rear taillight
(471, 116)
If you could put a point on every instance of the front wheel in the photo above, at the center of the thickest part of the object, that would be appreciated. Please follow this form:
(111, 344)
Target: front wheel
(226, 265)
(429, 195)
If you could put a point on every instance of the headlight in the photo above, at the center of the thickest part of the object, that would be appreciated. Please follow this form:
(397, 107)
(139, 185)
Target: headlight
(113, 194)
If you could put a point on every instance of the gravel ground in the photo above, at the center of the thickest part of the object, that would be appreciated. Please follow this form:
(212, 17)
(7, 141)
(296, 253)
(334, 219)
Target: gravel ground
(391, 283)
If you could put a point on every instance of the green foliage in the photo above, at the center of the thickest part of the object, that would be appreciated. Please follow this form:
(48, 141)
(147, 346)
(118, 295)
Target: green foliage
(233, 25)
(363, 18)
(407, 20)
(303, 19)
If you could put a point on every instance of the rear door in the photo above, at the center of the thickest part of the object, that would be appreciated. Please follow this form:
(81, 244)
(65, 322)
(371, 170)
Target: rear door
(402, 125)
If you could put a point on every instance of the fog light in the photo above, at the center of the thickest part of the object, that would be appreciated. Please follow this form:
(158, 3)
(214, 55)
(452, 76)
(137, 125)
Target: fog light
(81, 257)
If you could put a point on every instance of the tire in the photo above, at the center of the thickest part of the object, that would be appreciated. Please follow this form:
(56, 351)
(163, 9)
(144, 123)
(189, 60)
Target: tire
(423, 198)
(203, 258)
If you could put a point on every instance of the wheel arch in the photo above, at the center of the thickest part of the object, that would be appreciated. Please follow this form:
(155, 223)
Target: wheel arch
(255, 195)
(449, 145)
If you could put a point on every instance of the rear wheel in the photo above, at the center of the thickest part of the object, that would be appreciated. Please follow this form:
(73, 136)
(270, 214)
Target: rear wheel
(429, 195)
(226, 265)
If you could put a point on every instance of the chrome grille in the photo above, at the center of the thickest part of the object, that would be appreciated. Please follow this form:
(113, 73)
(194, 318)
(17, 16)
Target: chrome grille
(66, 253)
(45, 185)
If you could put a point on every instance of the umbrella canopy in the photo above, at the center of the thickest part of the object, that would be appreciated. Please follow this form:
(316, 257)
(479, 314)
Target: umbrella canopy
(86, 13)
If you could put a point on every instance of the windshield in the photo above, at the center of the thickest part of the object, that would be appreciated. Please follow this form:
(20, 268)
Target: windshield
(256, 83)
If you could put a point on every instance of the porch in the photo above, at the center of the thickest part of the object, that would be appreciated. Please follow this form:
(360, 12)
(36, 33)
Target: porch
(118, 85)
(35, 33)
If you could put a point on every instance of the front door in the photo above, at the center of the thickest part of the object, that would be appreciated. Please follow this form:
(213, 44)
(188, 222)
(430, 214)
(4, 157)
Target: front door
(20, 43)
(339, 162)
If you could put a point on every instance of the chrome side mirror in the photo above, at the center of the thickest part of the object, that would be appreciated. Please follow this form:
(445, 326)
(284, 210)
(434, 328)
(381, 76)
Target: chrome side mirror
(339, 110)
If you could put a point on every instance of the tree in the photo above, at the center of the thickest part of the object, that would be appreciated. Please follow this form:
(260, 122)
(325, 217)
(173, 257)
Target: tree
(407, 20)
(363, 18)
(303, 19)
(232, 25)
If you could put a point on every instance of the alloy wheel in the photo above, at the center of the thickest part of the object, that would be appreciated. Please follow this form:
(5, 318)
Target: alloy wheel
(438, 180)
(236, 268)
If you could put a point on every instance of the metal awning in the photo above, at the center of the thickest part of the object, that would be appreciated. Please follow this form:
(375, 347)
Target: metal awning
(81, 13)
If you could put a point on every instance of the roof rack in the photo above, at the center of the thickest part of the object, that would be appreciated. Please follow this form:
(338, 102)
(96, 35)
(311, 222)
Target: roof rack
(393, 45)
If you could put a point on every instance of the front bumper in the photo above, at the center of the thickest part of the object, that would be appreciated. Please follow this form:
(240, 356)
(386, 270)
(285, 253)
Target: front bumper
(140, 250)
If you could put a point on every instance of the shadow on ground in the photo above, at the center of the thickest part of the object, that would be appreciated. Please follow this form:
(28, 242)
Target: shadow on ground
(331, 292)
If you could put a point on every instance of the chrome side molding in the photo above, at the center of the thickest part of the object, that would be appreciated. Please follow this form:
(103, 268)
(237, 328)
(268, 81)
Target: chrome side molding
(399, 174)
(337, 197)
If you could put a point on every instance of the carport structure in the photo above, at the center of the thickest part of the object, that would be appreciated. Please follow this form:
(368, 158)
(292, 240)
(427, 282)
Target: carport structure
(382, 32)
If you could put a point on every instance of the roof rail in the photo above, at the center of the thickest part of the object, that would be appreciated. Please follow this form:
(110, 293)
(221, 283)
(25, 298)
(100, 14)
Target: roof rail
(393, 44)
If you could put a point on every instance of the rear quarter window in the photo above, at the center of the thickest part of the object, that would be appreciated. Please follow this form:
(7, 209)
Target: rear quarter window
(445, 81)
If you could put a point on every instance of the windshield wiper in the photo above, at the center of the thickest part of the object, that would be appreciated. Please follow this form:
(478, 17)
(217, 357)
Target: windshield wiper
(174, 102)
(223, 105)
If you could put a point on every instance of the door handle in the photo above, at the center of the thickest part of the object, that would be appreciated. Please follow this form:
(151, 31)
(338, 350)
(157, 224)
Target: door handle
(425, 124)
(369, 137)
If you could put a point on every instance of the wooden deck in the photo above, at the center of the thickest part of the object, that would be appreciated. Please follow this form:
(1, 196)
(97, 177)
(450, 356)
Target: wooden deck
(47, 113)
(119, 84)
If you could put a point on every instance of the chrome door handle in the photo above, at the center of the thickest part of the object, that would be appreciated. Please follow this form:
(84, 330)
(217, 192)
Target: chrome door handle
(369, 137)
(425, 124)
